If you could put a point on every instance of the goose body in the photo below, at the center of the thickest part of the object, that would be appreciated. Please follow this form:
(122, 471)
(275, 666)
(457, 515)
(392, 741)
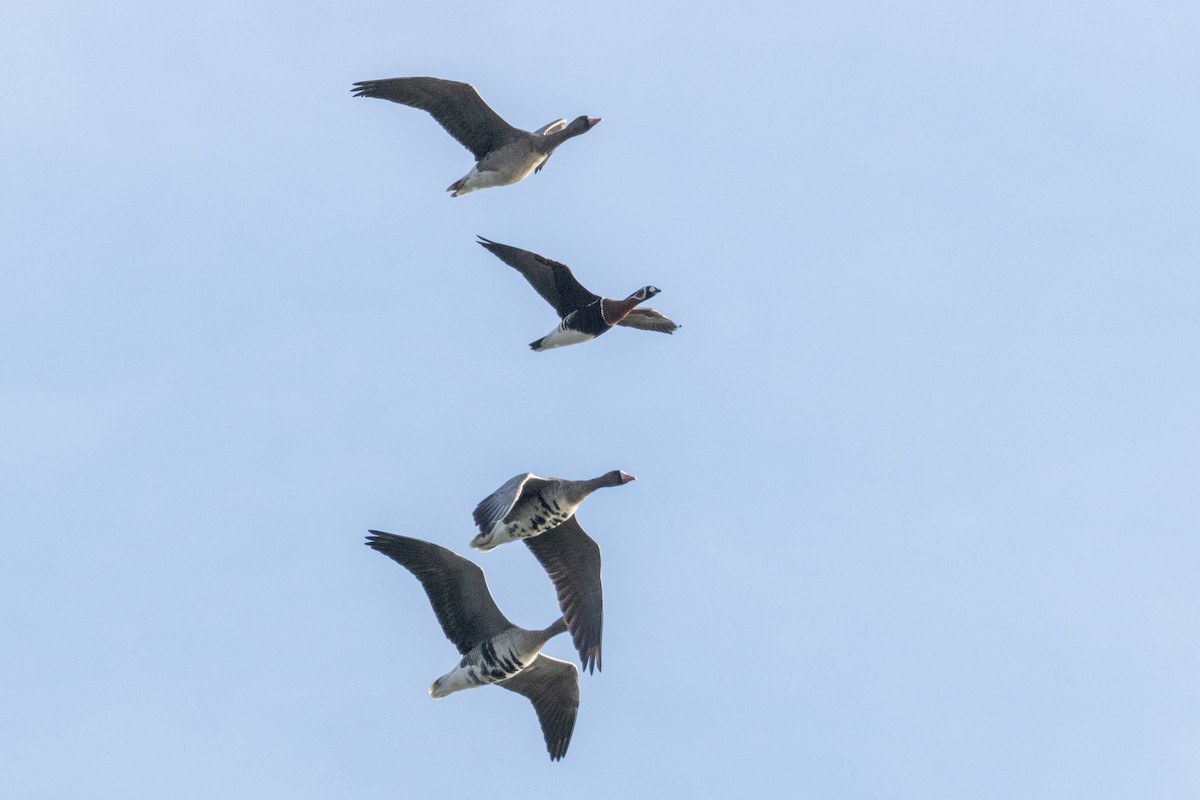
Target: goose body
(527, 505)
(492, 660)
(494, 650)
(583, 314)
(503, 154)
(541, 511)
(564, 334)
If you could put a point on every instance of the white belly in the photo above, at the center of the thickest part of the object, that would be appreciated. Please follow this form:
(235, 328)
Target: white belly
(488, 178)
(490, 662)
(562, 337)
(531, 524)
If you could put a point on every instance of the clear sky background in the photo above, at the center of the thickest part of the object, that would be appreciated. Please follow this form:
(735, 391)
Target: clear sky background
(916, 512)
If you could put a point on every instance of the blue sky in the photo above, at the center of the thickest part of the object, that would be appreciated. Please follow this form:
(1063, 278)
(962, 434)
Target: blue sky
(916, 511)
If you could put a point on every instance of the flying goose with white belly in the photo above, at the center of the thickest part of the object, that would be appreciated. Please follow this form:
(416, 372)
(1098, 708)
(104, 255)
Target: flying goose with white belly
(503, 154)
(584, 315)
(494, 651)
(541, 511)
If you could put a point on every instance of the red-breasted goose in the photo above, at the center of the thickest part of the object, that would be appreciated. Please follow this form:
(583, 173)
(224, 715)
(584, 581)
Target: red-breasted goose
(493, 649)
(503, 154)
(584, 315)
(542, 512)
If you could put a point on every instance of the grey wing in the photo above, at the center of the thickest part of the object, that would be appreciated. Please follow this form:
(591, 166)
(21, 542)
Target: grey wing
(496, 505)
(554, 281)
(456, 106)
(551, 127)
(572, 560)
(552, 686)
(455, 586)
(647, 319)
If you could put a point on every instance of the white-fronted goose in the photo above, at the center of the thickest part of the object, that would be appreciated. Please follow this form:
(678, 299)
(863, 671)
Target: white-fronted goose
(493, 649)
(542, 512)
(584, 315)
(503, 154)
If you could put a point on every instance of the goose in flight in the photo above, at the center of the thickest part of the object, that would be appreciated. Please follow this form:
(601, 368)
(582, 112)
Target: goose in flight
(503, 154)
(541, 511)
(583, 315)
(493, 649)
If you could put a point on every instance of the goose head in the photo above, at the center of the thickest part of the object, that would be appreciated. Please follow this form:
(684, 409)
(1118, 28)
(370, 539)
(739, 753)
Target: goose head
(581, 125)
(643, 294)
(616, 478)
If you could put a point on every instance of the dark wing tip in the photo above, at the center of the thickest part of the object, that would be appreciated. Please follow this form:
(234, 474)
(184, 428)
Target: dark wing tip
(558, 748)
(590, 659)
(389, 544)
